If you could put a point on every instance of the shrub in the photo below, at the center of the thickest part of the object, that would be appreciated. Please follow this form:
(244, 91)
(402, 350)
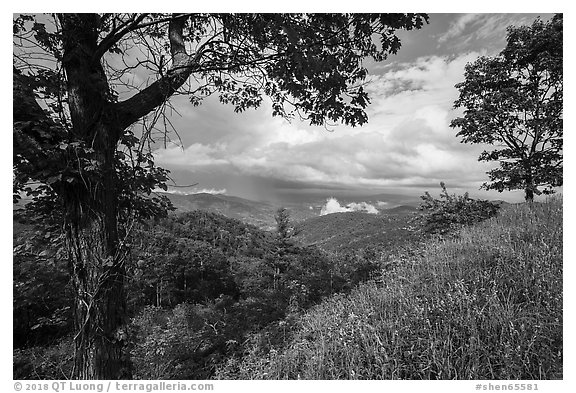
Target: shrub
(177, 344)
(50, 362)
(453, 211)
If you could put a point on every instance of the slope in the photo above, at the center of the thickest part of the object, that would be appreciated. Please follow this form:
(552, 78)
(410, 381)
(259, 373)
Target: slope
(259, 214)
(355, 230)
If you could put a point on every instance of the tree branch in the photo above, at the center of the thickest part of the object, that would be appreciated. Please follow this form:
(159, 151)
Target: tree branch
(116, 35)
(183, 65)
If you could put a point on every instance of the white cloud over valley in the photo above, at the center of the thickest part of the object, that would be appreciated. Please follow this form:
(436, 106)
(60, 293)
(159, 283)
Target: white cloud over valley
(333, 206)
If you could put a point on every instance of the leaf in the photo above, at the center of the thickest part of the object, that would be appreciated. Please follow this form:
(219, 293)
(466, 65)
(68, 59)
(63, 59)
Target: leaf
(53, 179)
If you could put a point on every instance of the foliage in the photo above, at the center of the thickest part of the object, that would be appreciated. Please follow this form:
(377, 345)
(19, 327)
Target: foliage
(453, 211)
(198, 256)
(284, 229)
(515, 102)
(44, 362)
(306, 62)
(199, 286)
(484, 305)
(46, 155)
(178, 343)
(80, 149)
(41, 294)
(189, 258)
(352, 232)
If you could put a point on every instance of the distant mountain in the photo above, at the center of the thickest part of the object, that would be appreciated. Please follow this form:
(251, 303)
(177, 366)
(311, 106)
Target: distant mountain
(402, 209)
(355, 230)
(259, 214)
(318, 197)
(392, 199)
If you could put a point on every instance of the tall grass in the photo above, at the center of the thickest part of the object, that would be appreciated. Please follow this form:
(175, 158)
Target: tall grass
(484, 305)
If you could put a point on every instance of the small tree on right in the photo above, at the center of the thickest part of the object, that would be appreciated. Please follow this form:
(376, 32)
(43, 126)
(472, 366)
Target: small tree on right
(514, 102)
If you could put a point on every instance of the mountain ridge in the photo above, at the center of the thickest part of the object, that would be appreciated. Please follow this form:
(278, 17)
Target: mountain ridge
(352, 231)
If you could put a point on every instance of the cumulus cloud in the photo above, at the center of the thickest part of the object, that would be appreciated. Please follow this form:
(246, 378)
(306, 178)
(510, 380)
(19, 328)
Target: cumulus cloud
(363, 207)
(333, 206)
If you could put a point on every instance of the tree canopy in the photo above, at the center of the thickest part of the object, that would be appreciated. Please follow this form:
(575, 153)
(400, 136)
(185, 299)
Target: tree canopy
(83, 81)
(515, 102)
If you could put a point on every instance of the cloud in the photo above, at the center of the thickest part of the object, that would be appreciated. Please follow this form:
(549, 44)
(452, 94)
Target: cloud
(485, 30)
(458, 26)
(362, 206)
(192, 192)
(333, 206)
(407, 141)
(197, 155)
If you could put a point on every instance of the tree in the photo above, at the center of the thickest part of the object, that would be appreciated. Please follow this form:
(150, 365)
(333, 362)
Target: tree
(80, 149)
(514, 101)
(284, 228)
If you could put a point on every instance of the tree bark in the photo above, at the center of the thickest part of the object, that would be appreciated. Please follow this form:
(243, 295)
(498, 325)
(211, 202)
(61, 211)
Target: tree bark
(91, 226)
(529, 181)
(97, 267)
(529, 195)
(100, 305)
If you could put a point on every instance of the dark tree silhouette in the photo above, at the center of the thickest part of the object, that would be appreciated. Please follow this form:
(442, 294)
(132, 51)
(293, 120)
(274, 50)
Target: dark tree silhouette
(514, 101)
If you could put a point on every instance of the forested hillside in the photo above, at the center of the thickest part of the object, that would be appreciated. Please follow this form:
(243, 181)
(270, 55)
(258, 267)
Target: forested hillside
(352, 231)
(259, 214)
(198, 284)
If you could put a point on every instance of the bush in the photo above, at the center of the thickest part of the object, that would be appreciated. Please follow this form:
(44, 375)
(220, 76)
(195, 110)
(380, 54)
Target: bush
(50, 362)
(181, 343)
(453, 211)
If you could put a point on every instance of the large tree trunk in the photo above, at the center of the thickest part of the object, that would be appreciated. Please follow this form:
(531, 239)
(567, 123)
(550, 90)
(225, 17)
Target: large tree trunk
(85, 154)
(529, 194)
(91, 220)
(100, 306)
(97, 268)
(529, 182)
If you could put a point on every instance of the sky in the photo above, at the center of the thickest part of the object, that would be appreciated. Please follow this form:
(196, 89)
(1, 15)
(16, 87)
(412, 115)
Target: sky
(407, 146)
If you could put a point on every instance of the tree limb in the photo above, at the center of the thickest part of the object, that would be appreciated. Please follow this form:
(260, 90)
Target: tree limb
(183, 65)
(116, 35)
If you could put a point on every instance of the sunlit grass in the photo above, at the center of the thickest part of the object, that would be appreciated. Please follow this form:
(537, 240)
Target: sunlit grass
(484, 305)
